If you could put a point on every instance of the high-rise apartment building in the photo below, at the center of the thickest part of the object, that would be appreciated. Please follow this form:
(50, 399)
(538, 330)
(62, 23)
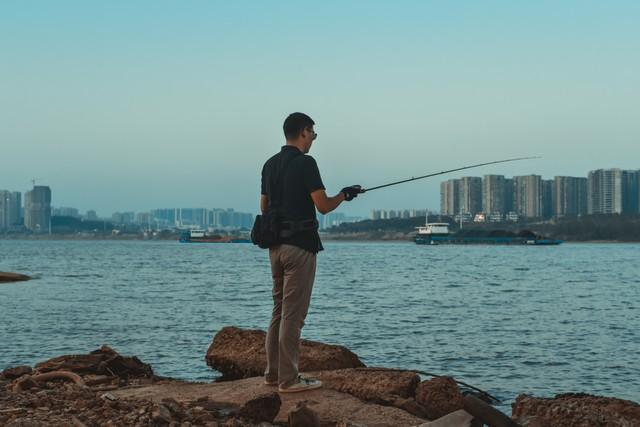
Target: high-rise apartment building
(631, 191)
(569, 196)
(493, 194)
(547, 198)
(165, 216)
(192, 216)
(470, 195)
(37, 209)
(528, 194)
(91, 215)
(450, 197)
(604, 187)
(10, 204)
(65, 211)
(5, 200)
(509, 196)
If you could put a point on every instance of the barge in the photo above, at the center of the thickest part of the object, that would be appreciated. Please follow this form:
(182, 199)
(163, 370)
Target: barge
(201, 236)
(437, 233)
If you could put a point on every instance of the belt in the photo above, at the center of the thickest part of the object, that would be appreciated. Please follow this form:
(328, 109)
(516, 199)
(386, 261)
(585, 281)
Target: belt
(289, 228)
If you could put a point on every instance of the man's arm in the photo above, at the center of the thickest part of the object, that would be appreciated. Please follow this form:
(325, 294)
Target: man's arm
(264, 203)
(324, 203)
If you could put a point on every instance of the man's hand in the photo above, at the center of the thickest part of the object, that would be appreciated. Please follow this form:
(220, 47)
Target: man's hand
(351, 192)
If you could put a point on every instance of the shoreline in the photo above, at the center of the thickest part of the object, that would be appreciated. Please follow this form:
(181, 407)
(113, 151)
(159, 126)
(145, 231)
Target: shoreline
(105, 387)
(323, 236)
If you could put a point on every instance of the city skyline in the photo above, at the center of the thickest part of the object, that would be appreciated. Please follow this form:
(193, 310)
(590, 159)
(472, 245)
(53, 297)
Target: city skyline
(127, 105)
(465, 187)
(496, 197)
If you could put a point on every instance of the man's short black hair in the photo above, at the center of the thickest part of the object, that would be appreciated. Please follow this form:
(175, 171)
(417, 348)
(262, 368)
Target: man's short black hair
(295, 124)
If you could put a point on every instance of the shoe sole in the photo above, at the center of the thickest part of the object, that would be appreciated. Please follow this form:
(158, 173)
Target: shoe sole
(299, 389)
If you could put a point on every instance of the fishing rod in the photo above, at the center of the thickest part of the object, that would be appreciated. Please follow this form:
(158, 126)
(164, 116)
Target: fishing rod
(443, 172)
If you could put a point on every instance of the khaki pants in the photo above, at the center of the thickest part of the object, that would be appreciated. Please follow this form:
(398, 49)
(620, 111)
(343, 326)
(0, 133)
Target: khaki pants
(293, 270)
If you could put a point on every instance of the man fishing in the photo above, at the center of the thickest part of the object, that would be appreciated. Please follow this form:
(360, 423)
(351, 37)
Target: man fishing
(291, 184)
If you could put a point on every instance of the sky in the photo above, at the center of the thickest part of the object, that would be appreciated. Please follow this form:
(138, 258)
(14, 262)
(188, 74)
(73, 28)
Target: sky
(136, 105)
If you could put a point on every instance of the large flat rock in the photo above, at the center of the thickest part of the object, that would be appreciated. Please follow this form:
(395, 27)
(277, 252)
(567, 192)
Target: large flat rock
(576, 410)
(371, 384)
(331, 406)
(6, 277)
(103, 361)
(240, 353)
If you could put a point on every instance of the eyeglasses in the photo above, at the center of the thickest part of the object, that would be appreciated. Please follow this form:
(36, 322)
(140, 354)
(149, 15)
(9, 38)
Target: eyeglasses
(315, 135)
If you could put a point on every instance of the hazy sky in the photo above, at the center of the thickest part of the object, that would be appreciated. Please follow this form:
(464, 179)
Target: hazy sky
(133, 105)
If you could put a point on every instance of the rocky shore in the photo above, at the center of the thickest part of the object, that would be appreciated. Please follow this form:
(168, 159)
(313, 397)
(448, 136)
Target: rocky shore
(104, 388)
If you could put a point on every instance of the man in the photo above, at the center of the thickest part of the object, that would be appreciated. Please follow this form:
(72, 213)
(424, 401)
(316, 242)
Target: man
(291, 184)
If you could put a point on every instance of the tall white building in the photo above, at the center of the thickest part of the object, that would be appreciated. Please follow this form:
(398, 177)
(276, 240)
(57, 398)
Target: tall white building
(569, 196)
(450, 197)
(528, 198)
(470, 195)
(493, 195)
(605, 191)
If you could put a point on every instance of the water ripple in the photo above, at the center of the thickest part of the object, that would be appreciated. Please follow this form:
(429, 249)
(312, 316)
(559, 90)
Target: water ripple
(507, 319)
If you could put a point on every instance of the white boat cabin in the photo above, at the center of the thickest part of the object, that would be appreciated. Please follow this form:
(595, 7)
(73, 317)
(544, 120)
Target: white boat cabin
(434, 228)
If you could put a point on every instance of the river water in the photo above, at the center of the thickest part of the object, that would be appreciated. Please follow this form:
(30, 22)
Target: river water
(507, 319)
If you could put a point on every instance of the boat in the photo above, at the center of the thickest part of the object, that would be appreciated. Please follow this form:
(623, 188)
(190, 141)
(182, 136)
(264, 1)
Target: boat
(437, 233)
(201, 236)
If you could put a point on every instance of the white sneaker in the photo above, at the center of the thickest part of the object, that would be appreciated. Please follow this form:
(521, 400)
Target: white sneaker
(302, 384)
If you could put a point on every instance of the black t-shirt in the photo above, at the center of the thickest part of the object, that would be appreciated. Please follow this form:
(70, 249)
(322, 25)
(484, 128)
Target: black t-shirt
(301, 178)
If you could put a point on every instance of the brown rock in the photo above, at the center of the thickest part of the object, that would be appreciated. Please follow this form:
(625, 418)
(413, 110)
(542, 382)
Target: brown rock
(411, 406)
(160, 416)
(439, 396)
(348, 423)
(459, 418)
(485, 413)
(104, 361)
(234, 422)
(12, 277)
(371, 384)
(240, 353)
(174, 407)
(330, 405)
(24, 383)
(262, 408)
(17, 372)
(576, 410)
(302, 416)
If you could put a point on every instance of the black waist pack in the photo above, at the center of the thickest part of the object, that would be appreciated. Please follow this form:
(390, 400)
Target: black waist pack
(266, 230)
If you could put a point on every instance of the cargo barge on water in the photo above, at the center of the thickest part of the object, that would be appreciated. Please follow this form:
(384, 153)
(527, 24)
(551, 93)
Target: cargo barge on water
(201, 236)
(437, 233)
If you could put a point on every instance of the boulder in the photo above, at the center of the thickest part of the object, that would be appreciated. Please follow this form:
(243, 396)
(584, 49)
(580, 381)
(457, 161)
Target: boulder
(12, 277)
(104, 361)
(239, 353)
(576, 410)
(459, 418)
(24, 383)
(302, 416)
(377, 385)
(439, 396)
(261, 408)
(486, 414)
(17, 372)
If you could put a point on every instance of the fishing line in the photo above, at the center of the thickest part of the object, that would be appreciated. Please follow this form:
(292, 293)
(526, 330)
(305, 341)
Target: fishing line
(447, 171)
